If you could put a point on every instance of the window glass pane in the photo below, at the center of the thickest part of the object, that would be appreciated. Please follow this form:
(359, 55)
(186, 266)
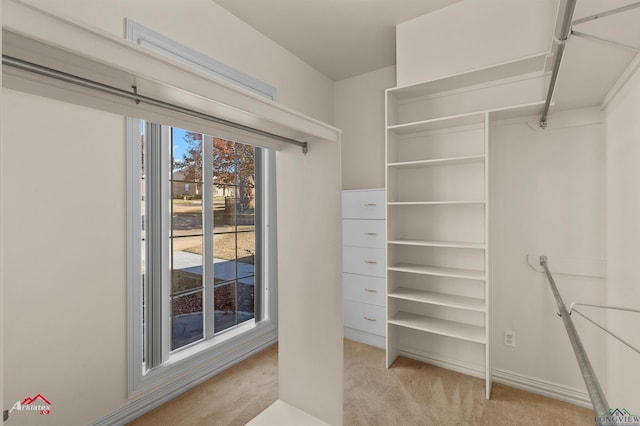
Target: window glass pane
(186, 217)
(233, 303)
(186, 238)
(224, 304)
(224, 164)
(224, 257)
(186, 151)
(186, 292)
(234, 233)
(186, 312)
(246, 252)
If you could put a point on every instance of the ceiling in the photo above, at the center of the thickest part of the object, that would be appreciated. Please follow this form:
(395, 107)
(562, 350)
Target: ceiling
(339, 38)
(345, 38)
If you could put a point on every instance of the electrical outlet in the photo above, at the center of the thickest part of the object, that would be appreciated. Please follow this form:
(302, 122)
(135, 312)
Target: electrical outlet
(509, 338)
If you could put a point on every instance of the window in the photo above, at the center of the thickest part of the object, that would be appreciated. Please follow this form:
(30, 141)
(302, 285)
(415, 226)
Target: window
(231, 274)
(204, 268)
(201, 243)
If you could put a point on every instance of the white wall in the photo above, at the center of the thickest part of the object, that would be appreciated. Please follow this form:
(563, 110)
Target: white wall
(64, 258)
(359, 112)
(310, 281)
(472, 34)
(547, 198)
(63, 216)
(206, 27)
(623, 232)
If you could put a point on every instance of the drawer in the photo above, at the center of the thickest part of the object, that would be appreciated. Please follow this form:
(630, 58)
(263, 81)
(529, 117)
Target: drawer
(363, 260)
(365, 317)
(363, 204)
(362, 288)
(363, 233)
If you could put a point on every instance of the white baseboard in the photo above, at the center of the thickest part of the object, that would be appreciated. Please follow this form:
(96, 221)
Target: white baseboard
(530, 384)
(542, 387)
(159, 396)
(364, 337)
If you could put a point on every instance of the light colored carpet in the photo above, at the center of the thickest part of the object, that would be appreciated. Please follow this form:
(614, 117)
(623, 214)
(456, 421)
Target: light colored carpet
(414, 393)
(409, 393)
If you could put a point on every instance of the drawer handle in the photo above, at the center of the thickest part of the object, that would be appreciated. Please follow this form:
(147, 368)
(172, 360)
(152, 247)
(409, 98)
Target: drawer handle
(370, 205)
(368, 290)
(370, 262)
(372, 233)
(370, 319)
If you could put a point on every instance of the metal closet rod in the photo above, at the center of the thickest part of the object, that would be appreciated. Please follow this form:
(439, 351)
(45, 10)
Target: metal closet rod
(138, 98)
(562, 40)
(598, 399)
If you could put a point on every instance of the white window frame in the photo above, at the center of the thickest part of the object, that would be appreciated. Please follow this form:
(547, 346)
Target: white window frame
(208, 357)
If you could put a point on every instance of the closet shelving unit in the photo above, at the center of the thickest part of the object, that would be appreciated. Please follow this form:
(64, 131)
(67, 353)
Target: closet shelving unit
(437, 209)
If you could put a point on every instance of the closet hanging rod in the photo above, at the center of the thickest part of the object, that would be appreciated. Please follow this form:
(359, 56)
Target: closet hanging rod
(138, 98)
(607, 13)
(598, 399)
(561, 41)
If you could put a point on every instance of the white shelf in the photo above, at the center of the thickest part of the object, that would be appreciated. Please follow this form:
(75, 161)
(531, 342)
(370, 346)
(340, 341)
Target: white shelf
(440, 271)
(421, 126)
(439, 162)
(437, 146)
(425, 243)
(472, 333)
(432, 203)
(440, 299)
(471, 78)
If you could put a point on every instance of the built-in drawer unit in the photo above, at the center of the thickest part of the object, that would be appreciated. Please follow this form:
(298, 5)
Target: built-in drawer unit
(365, 317)
(363, 233)
(363, 288)
(363, 265)
(363, 260)
(363, 204)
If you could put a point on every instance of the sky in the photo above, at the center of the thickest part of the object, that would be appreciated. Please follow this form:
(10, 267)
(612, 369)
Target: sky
(179, 145)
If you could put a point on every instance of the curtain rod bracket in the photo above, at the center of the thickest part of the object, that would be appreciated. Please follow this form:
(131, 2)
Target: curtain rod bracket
(305, 148)
(135, 92)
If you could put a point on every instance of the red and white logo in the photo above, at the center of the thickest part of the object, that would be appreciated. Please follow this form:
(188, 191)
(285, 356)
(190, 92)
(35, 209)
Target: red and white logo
(38, 403)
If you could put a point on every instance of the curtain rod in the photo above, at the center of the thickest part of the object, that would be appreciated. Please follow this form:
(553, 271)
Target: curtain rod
(138, 98)
(562, 40)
